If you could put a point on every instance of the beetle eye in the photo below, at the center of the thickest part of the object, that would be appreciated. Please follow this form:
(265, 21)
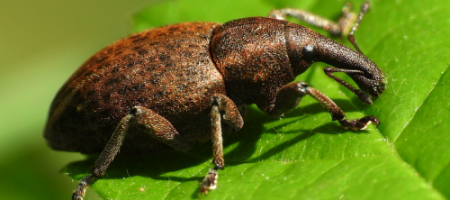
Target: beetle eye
(309, 52)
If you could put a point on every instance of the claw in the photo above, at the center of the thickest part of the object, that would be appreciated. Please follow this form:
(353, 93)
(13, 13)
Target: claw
(209, 182)
(359, 124)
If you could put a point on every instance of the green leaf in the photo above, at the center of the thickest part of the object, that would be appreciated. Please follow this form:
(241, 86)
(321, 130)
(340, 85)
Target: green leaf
(304, 155)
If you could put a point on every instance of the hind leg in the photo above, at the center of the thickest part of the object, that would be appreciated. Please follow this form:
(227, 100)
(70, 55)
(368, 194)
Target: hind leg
(155, 125)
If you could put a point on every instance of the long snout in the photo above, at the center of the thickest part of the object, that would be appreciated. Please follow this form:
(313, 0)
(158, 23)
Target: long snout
(369, 78)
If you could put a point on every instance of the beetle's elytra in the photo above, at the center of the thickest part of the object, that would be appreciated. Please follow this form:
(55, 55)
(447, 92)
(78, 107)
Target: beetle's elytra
(174, 86)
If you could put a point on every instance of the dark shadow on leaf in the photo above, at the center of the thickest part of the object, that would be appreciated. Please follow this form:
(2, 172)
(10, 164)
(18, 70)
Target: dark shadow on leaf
(154, 166)
(151, 166)
(329, 128)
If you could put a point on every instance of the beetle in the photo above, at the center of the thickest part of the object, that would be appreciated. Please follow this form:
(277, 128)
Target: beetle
(174, 86)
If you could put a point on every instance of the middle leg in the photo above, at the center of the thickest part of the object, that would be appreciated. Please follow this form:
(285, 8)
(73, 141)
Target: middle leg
(224, 110)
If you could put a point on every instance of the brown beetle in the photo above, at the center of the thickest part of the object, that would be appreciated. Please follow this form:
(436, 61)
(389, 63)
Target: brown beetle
(174, 86)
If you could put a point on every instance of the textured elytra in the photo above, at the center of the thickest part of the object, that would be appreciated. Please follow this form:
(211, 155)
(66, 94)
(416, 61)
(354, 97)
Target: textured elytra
(155, 69)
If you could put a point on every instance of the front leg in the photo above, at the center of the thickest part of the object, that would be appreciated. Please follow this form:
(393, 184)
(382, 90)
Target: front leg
(289, 96)
(346, 26)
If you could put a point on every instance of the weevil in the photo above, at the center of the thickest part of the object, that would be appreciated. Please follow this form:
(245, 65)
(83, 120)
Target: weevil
(174, 86)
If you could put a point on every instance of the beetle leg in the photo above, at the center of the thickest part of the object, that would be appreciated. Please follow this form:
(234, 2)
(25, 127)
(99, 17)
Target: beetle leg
(159, 128)
(222, 109)
(155, 125)
(364, 8)
(105, 158)
(346, 26)
(361, 95)
(310, 18)
(340, 28)
(289, 96)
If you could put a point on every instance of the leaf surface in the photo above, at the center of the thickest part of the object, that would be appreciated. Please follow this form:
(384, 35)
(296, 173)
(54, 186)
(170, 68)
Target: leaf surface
(305, 155)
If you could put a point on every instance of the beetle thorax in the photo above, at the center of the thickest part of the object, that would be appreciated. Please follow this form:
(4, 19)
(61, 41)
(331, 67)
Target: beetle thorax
(252, 58)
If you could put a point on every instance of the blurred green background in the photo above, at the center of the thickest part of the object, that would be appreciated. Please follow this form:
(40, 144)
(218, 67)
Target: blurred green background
(41, 44)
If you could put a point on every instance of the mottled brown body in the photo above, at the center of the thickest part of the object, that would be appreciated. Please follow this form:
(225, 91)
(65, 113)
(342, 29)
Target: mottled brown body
(174, 86)
(168, 70)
